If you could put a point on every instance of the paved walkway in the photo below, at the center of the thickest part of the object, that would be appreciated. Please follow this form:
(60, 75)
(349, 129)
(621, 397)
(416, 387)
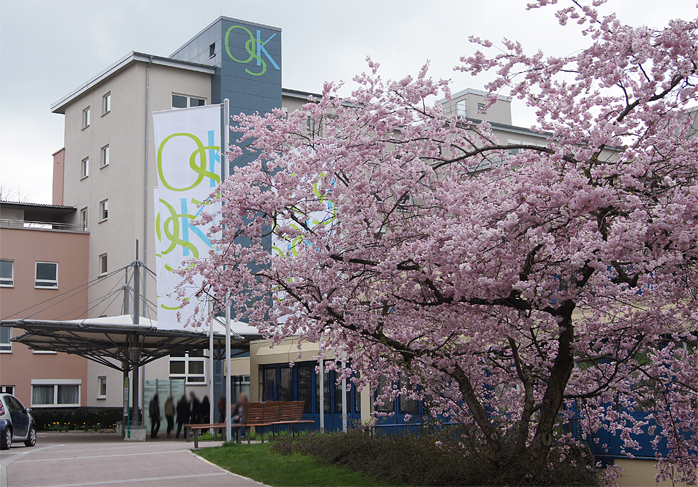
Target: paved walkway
(104, 459)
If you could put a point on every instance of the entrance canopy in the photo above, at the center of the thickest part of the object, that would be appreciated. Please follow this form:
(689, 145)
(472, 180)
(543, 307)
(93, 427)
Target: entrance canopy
(117, 342)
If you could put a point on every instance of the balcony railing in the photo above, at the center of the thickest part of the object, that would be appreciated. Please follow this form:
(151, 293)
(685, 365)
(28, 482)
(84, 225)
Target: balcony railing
(69, 227)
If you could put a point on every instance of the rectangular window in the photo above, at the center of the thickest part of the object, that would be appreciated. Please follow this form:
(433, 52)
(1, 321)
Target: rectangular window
(101, 387)
(46, 275)
(212, 51)
(462, 109)
(184, 101)
(481, 108)
(83, 219)
(7, 389)
(106, 104)
(102, 264)
(189, 366)
(103, 210)
(7, 273)
(5, 343)
(85, 168)
(55, 392)
(105, 155)
(86, 117)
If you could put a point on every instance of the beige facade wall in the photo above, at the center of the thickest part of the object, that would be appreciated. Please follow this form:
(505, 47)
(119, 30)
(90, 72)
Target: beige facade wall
(122, 181)
(26, 247)
(637, 473)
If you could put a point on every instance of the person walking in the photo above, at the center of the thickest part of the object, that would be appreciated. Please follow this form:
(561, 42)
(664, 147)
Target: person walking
(169, 414)
(205, 411)
(182, 413)
(194, 409)
(154, 409)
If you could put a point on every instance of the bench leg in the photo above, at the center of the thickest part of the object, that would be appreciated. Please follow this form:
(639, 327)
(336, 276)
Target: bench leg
(196, 439)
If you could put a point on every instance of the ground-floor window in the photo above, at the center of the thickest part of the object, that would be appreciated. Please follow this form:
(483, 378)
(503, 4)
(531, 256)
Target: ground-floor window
(60, 392)
(189, 366)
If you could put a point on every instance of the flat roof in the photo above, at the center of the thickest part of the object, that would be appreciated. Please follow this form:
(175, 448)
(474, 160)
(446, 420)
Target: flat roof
(127, 60)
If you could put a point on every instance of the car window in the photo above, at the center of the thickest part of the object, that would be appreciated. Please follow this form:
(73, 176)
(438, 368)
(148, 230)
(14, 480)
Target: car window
(15, 405)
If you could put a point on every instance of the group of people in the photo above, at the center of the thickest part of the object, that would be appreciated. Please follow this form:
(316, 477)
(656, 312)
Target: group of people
(190, 411)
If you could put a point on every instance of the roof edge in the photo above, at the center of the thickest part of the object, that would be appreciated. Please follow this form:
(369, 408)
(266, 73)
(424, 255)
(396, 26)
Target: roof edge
(132, 57)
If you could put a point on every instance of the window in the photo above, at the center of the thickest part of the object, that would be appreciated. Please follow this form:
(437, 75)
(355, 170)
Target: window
(102, 264)
(105, 156)
(189, 366)
(106, 104)
(7, 273)
(212, 51)
(86, 117)
(85, 168)
(83, 218)
(462, 109)
(46, 275)
(481, 108)
(55, 392)
(5, 343)
(101, 387)
(7, 389)
(184, 101)
(103, 210)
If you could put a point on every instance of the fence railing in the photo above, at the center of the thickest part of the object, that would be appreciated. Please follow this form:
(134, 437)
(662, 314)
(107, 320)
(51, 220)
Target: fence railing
(70, 227)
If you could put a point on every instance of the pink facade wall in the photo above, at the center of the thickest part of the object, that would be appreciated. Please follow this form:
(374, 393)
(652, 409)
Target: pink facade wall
(58, 170)
(26, 247)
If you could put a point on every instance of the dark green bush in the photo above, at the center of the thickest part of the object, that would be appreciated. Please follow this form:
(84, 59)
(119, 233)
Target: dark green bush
(87, 418)
(446, 457)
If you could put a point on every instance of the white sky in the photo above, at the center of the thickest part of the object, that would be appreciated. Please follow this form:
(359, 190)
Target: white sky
(50, 47)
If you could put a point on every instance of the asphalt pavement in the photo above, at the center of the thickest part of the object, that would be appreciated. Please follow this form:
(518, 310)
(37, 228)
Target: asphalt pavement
(104, 459)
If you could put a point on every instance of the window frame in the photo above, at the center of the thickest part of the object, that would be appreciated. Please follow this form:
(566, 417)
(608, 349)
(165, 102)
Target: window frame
(86, 118)
(11, 279)
(6, 347)
(104, 157)
(56, 383)
(47, 281)
(187, 375)
(103, 263)
(84, 168)
(104, 210)
(101, 381)
(189, 99)
(106, 103)
(84, 218)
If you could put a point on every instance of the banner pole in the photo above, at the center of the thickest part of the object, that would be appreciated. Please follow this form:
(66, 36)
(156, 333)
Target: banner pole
(224, 170)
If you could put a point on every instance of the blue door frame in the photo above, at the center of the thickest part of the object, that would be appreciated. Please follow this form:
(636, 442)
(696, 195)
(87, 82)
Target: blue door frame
(279, 382)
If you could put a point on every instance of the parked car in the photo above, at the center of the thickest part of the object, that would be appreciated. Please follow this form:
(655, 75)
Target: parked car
(16, 424)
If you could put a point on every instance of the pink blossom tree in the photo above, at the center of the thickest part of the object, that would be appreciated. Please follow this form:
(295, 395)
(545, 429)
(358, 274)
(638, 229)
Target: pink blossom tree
(516, 292)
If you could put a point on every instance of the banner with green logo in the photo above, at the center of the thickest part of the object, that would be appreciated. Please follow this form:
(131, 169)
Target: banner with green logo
(187, 143)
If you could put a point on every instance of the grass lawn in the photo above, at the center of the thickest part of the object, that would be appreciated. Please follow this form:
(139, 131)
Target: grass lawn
(258, 463)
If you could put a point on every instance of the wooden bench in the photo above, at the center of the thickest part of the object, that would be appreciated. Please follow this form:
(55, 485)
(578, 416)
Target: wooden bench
(292, 415)
(273, 414)
(196, 428)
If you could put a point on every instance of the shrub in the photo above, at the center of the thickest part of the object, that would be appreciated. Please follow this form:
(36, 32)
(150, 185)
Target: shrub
(442, 457)
(77, 418)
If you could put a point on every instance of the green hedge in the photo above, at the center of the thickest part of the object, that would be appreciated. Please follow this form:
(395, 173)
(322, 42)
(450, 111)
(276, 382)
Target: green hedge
(87, 418)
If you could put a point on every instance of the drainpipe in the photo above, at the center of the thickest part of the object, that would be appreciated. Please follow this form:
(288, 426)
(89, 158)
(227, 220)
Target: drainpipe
(145, 190)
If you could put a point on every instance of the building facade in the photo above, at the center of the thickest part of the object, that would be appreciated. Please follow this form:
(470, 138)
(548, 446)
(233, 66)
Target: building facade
(43, 260)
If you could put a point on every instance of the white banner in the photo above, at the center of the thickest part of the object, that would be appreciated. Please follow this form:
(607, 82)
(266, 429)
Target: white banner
(187, 141)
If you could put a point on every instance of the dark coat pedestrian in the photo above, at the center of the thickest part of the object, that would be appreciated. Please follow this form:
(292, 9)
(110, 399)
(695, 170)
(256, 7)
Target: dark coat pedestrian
(154, 410)
(205, 411)
(169, 414)
(194, 409)
(182, 413)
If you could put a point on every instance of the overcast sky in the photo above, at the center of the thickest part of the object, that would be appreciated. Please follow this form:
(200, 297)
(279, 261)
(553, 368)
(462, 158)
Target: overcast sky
(50, 47)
